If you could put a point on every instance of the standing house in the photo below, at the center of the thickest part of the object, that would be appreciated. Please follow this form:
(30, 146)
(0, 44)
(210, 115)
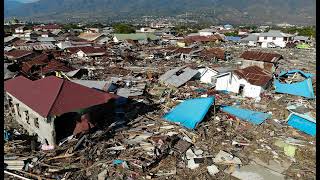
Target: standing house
(90, 51)
(249, 82)
(51, 107)
(274, 38)
(206, 32)
(264, 60)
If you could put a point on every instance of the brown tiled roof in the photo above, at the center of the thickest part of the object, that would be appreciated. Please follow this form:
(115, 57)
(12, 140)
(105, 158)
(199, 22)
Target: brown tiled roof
(261, 56)
(54, 96)
(254, 75)
(16, 54)
(213, 52)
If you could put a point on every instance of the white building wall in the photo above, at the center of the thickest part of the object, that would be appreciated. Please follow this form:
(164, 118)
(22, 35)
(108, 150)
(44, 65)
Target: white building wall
(228, 83)
(205, 33)
(207, 75)
(278, 41)
(46, 125)
(232, 83)
(251, 91)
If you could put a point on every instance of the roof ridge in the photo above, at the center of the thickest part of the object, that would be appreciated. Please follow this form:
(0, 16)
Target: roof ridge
(56, 97)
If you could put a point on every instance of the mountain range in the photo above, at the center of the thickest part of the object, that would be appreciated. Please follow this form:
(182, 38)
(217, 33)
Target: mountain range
(233, 11)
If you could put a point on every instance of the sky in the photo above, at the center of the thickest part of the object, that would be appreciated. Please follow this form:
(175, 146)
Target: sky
(26, 1)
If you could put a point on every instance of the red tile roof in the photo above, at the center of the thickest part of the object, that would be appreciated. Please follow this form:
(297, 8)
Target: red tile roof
(16, 54)
(254, 75)
(54, 96)
(261, 56)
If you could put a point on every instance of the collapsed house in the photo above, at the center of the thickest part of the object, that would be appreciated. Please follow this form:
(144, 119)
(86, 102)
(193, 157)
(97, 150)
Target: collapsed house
(264, 60)
(249, 82)
(52, 108)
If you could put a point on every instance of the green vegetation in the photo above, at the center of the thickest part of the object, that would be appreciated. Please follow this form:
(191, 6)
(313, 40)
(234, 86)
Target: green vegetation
(305, 31)
(70, 26)
(231, 34)
(123, 28)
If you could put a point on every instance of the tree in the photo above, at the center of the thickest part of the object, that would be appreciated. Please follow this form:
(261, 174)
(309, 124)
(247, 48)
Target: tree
(231, 34)
(123, 28)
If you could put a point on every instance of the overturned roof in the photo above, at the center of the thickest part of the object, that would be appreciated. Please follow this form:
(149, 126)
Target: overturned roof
(261, 56)
(54, 96)
(254, 75)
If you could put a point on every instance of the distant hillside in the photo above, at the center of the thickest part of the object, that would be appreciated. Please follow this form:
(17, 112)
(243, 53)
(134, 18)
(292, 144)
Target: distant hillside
(233, 11)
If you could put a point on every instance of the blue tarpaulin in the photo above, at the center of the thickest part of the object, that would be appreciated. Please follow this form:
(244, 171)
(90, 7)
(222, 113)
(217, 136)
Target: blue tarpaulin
(292, 72)
(245, 114)
(190, 112)
(303, 123)
(303, 88)
(233, 38)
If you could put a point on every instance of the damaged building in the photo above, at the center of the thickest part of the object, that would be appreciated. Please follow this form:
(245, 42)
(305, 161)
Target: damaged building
(54, 108)
(264, 60)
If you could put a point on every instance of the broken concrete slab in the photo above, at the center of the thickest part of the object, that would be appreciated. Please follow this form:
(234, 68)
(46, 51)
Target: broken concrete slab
(212, 170)
(256, 172)
(225, 158)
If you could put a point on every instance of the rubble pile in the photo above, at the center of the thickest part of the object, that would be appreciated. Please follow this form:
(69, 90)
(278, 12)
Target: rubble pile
(173, 114)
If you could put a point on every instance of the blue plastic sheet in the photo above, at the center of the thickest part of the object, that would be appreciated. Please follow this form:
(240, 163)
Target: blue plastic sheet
(303, 88)
(191, 112)
(303, 123)
(245, 114)
(233, 38)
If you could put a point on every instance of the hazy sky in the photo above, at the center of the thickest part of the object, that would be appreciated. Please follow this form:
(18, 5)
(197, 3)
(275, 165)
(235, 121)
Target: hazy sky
(26, 1)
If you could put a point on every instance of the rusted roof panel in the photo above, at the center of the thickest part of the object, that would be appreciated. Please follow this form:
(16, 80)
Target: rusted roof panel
(261, 56)
(254, 75)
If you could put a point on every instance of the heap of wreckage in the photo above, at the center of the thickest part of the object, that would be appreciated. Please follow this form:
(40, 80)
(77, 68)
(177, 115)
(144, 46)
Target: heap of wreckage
(136, 110)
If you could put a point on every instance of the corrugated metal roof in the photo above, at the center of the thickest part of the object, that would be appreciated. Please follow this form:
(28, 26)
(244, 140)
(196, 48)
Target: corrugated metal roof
(254, 75)
(213, 52)
(261, 56)
(54, 96)
(16, 54)
(172, 78)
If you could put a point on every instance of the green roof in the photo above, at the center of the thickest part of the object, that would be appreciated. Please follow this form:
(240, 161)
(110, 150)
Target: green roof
(136, 36)
(303, 46)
